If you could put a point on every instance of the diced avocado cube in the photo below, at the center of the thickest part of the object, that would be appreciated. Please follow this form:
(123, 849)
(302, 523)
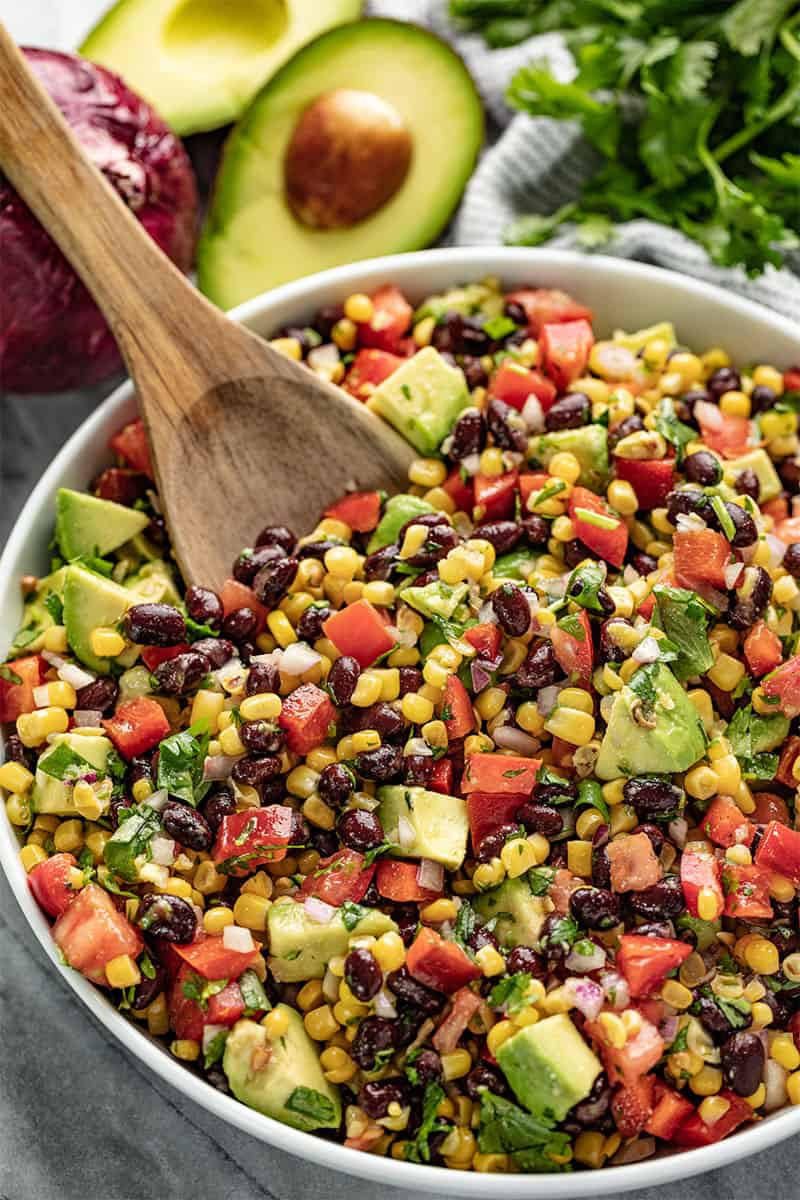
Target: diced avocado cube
(516, 564)
(301, 948)
(91, 601)
(422, 399)
(439, 823)
(653, 727)
(518, 914)
(589, 444)
(154, 583)
(636, 341)
(483, 297)
(398, 510)
(51, 795)
(549, 1066)
(36, 616)
(87, 525)
(281, 1077)
(758, 461)
(437, 599)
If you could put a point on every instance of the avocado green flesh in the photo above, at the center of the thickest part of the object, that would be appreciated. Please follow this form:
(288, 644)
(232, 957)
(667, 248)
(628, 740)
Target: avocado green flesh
(154, 583)
(91, 601)
(549, 1066)
(422, 399)
(516, 564)
(439, 823)
(200, 62)
(519, 915)
(36, 617)
(52, 795)
(436, 599)
(630, 747)
(589, 444)
(267, 1074)
(87, 525)
(398, 510)
(758, 461)
(408, 68)
(301, 948)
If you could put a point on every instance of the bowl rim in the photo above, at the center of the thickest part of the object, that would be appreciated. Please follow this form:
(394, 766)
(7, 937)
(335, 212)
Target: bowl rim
(464, 262)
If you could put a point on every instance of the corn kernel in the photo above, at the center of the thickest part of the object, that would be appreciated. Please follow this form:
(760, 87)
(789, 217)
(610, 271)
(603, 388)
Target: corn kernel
(488, 875)
(367, 691)
(674, 993)
(762, 957)
(122, 972)
(529, 718)
(613, 1029)
(68, 837)
(566, 466)
(318, 812)
(793, 1088)
(439, 910)
(31, 855)
(264, 706)
(186, 1049)
(34, 727)
(701, 782)
(490, 961)
(783, 1050)
(727, 672)
(622, 497)
(280, 627)
(707, 1081)
(18, 809)
(423, 331)
(761, 1015)
(589, 1149)
(106, 643)
(55, 639)
(571, 725)
(435, 734)
(207, 707)
(518, 856)
(389, 951)
(207, 879)
(427, 472)
(457, 1064)
(579, 858)
(230, 742)
(302, 781)
(358, 307)
(491, 461)
(14, 777)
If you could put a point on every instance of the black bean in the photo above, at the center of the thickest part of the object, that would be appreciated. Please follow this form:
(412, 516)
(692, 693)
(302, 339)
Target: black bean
(655, 835)
(411, 680)
(18, 753)
(374, 1037)
(724, 379)
(663, 929)
(428, 1067)
(687, 502)
(662, 899)
(169, 917)
(781, 1005)
(154, 625)
(186, 826)
(218, 651)
(540, 818)
(385, 720)
(535, 529)
(272, 580)
(762, 398)
(381, 764)
(608, 649)
(156, 532)
(506, 426)
(461, 335)
(100, 696)
(645, 564)
(575, 552)
(522, 958)
(482, 936)
(685, 404)
(376, 1096)
(746, 483)
(140, 767)
(240, 624)
(484, 1077)
(441, 539)
(791, 559)
(261, 737)
(204, 606)
(622, 429)
(510, 605)
(474, 372)
(316, 549)
(179, 674)
(587, 1113)
(146, 990)
(309, 627)
(250, 562)
(516, 313)
(595, 908)
(116, 806)
(360, 830)
(743, 1060)
(751, 598)
(380, 563)
(411, 991)
(570, 412)
(469, 434)
(262, 677)
(554, 936)
(326, 318)
(492, 843)
(601, 867)
(539, 669)
(417, 769)
(342, 679)
(253, 770)
(502, 535)
(219, 803)
(745, 527)
(652, 798)
(712, 1016)
(362, 974)
(556, 793)
(277, 535)
(702, 467)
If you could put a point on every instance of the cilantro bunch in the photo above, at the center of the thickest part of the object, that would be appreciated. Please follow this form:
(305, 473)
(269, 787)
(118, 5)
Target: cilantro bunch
(692, 105)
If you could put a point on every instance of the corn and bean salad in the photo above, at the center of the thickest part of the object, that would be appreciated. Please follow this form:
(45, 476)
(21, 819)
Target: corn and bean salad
(462, 829)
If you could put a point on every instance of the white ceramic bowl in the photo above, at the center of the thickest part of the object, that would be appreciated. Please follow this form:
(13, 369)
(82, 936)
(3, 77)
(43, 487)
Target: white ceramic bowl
(623, 295)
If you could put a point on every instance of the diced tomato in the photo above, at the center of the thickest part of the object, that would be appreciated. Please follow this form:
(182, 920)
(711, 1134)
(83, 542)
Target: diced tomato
(778, 508)
(188, 1018)
(789, 530)
(695, 1132)
(791, 380)
(154, 656)
(121, 485)
(647, 961)
(500, 774)
(779, 850)
(700, 872)
(762, 650)
(746, 892)
(784, 773)
(91, 931)
(137, 725)
(530, 482)
(50, 883)
(441, 777)
(610, 544)
(700, 558)
(726, 824)
(390, 319)
(397, 881)
(131, 444)
(565, 349)
(245, 840)
(339, 877)
(634, 865)
(651, 479)
(494, 496)
(513, 383)
(794, 1026)
(360, 510)
(358, 630)
(784, 682)
(563, 753)
(548, 306)
(465, 1005)
(727, 435)
(486, 639)
(307, 717)
(367, 370)
(626, 1064)
(645, 609)
(487, 811)
(671, 1110)
(236, 595)
(574, 654)
(211, 958)
(439, 964)
(457, 714)
(632, 1106)
(17, 698)
(460, 491)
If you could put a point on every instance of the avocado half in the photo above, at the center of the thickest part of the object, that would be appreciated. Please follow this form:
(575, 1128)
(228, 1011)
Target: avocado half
(253, 239)
(200, 62)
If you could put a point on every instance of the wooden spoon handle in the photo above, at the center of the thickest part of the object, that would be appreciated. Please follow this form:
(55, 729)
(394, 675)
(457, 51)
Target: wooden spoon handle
(128, 275)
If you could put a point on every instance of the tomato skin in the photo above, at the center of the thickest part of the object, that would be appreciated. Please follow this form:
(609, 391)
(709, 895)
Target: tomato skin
(131, 444)
(438, 964)
(487, 811)
(634, 865)
(121, 485)
(91, 931)
(360, 510)
(671, 1110)
(548, 306)
(762, 650)
(791, 380)
(500, 774)
(209, 957)
(575, 655)
(441, 777)
(726, 824)
(188, 1019)
(246, 832)
(49, 882)
(339, 877)
(137, 725)
(779, 850)
(639, 1054)
(465, 1005)
(565, 349)
(494, 496)
(306, 716)
(17, 698)
(789, 755)
(652, 479)
(237, 595)
(390, 319)
(727, 435)
(485, 638)
(746, 892)
(700, 558)
(460, 492)
(632, 1106)
(397, 881)
(646, 961)
(701, 871)
(458, 704)
(154, 656)
(694, 1131)
(530, 482)
(359, 631)
(367, 370)
(784, 682)
(610, 544)
(513, 383)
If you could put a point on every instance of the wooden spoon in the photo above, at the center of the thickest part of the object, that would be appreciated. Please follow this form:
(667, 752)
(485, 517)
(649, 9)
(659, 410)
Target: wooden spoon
(240, 435)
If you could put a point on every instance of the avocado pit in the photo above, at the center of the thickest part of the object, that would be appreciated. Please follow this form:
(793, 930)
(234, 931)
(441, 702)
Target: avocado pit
(349, 154)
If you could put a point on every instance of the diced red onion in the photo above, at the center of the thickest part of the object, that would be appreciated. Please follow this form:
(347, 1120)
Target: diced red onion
(41, 695)
(430, 875)
(317, 910)
(158, 800)
(708, 414)
(689, 523)
(86, 718)
(777, 549)
(533, 602)
(418, 746)
(210, 1032)
(547, 699)
(748, 553)
(532, 414)
(162, 850)
(218, 766)
(236, 937)
(636, 1151)
(384, 1006)
(584, 963)
(630, 575)
(471, 464)
(406, 834)
(647, 651)
(669, 1029)
(586, 995)
(480, 677)
(487, 615)
(732, 572)
(616, 989)
(230, 674)
(322, 357)
(775, 1084)
(402, 637)
(511, 738)
(76, 676)
(55, 660)
(678, 829)
(330, 986)
(299, 658)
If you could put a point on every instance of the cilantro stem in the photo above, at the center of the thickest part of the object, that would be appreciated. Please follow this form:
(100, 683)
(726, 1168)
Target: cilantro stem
(782, 107)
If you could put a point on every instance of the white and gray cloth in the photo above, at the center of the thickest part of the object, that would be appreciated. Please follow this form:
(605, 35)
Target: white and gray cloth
(80, 1118)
